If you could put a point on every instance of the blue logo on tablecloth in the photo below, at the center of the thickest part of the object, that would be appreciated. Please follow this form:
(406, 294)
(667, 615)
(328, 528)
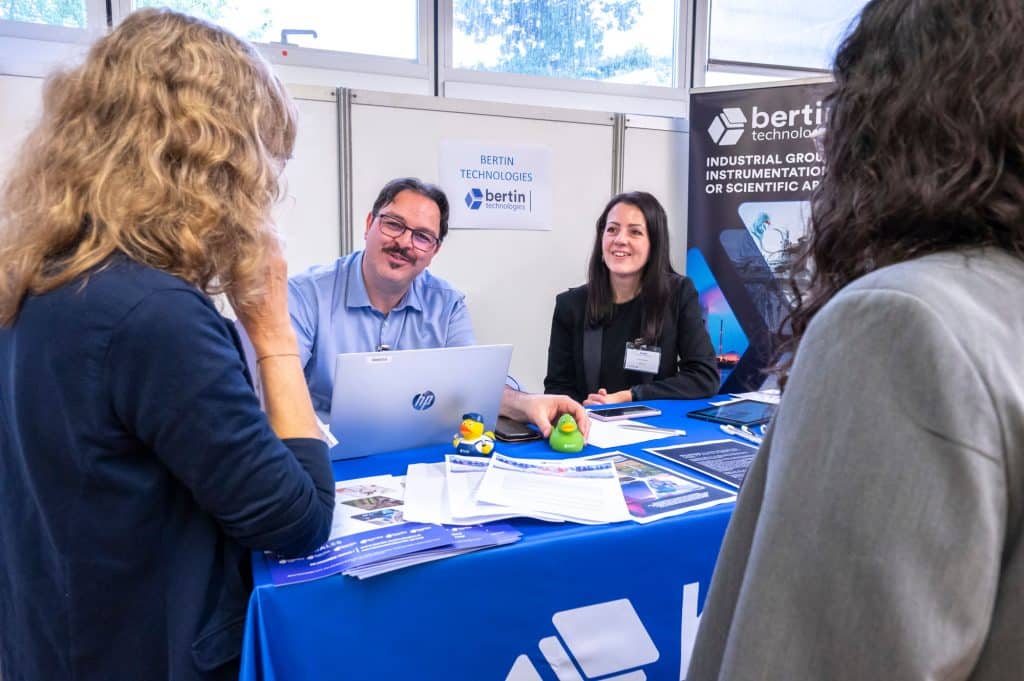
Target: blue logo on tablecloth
(474, 198)
(424, 400)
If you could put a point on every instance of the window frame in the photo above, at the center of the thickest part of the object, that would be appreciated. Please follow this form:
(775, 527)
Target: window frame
(95, 24)
(678, 90)
(702, 61)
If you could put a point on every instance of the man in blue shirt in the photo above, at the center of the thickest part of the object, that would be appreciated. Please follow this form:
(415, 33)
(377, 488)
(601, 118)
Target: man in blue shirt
(383, 297)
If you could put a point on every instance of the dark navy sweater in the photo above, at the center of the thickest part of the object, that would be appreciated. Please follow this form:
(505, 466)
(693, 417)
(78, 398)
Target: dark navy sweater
(136, 472)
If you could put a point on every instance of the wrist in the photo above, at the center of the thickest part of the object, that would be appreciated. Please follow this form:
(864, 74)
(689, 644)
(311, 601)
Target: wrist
(276, 355)
(512, 403)
(276, 343)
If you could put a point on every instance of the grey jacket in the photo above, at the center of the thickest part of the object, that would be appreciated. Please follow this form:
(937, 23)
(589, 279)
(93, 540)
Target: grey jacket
(878, 535)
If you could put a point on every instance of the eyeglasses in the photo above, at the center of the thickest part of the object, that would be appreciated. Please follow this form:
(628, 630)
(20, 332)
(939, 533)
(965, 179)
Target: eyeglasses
(421, 240)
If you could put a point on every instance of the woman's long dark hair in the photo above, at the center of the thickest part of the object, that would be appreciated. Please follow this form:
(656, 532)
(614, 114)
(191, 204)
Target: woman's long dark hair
(924, 144)
(658, 280)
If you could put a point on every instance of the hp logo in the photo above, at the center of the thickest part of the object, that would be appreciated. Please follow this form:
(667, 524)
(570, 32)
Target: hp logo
(474, 198)
(727, 128)
(423, 401)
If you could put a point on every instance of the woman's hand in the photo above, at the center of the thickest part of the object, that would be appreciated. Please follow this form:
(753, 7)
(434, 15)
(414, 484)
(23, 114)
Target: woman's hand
(266, 320)
(602, 396)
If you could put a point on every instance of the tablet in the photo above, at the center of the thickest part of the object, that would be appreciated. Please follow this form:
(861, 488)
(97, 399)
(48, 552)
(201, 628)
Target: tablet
(739, 413)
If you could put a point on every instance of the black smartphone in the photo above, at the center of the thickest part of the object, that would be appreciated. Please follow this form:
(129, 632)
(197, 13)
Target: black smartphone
(508, 430)
(618, 413)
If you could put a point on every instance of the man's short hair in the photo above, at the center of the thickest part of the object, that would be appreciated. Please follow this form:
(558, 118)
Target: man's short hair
(432, 192)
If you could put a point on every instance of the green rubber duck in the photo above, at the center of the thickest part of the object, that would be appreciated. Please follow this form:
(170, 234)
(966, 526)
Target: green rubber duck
(566, 436)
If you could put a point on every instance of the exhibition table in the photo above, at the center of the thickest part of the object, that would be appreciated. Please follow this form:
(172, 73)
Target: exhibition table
(566, 602)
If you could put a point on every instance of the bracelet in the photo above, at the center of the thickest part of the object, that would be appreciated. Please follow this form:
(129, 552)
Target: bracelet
(279, 354)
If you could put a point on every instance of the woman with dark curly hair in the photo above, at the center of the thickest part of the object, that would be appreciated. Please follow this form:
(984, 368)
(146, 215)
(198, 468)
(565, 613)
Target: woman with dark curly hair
(633, 305)
(878, 534)
(137, 471)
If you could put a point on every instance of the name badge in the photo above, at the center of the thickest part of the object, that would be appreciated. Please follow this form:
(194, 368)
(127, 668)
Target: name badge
(643, 358)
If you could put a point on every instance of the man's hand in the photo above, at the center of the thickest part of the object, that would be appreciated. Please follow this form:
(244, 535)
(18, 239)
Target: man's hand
(543, 410)
(602, 396)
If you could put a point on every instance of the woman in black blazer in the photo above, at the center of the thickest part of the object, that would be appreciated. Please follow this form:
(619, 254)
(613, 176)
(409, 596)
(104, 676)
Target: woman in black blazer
(634, 330)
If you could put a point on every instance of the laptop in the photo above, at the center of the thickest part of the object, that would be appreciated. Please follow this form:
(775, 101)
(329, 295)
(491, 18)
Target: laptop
(388, 401)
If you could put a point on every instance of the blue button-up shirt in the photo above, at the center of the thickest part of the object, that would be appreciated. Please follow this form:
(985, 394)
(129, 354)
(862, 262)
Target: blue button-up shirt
(332, 313)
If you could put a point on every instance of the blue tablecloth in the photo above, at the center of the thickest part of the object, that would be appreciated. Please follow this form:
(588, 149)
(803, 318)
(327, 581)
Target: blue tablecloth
(630, 591)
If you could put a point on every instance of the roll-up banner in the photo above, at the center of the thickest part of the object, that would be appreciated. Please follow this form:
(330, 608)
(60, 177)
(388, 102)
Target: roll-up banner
(753, 166)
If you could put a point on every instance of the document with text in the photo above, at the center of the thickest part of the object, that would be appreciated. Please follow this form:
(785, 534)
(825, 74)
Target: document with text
(574, 489)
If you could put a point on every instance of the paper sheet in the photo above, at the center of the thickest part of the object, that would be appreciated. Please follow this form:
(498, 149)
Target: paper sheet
(771, 396)
(608, 434)
(427, 501)
(574, 489)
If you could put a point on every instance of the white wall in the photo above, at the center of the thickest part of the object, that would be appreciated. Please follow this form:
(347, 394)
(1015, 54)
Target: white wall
(656, 161)
(309, 213)
(591, 101)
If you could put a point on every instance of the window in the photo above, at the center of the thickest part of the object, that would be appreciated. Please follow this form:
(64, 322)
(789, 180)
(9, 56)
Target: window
(69, 21)
(793, 34)
(66, 13)
(629, 42)
(385, 28)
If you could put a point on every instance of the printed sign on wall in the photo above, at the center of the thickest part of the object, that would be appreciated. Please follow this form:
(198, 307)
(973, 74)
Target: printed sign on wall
(494, 185)
(753, 168)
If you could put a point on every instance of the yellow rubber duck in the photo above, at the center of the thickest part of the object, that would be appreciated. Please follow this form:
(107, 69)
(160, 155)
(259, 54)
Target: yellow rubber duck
(472, 439)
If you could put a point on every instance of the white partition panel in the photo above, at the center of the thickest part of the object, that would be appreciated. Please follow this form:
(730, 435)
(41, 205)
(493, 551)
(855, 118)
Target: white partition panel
(655, 160)
(20, 105)
(510, 278)
(309, 214)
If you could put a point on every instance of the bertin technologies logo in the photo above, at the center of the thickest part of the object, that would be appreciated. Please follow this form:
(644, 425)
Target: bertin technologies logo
(474, 198)
(727, 128)
(423, 401)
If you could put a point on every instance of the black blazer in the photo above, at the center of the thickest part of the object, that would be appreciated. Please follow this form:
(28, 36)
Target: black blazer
(688, 368)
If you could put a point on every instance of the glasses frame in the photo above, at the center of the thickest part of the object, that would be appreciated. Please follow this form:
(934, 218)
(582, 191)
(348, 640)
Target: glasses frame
(389, 220)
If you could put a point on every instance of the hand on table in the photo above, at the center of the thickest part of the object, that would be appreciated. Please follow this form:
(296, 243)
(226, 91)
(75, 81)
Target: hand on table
(543, 410)
(602, 396)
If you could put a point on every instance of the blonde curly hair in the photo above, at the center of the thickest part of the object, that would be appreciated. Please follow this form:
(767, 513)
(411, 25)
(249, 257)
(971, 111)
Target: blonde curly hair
(166, 144)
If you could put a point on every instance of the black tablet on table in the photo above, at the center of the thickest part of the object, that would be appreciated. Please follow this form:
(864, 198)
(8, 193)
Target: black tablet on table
(740, 413)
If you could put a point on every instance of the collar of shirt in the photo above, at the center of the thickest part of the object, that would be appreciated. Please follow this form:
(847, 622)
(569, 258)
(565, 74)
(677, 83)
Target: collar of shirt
(357, 296)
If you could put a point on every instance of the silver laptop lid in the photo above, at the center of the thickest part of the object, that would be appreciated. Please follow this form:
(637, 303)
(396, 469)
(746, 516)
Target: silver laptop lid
(387, 401)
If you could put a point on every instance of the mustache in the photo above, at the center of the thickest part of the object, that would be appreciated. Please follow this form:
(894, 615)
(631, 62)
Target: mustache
(403, 253)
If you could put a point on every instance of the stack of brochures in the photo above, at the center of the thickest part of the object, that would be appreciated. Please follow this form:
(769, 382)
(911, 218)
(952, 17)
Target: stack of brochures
(604, 488)
(467, 490)
(370, 535)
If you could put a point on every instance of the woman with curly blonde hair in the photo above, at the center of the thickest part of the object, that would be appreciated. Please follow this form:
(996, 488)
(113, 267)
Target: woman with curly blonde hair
(137, 470)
